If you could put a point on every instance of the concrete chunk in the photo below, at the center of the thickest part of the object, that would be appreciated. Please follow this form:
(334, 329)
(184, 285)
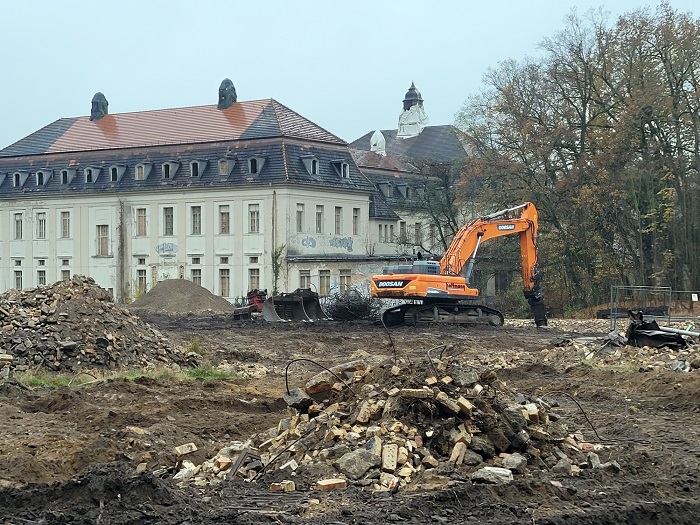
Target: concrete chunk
(390, 455)
(493, 475)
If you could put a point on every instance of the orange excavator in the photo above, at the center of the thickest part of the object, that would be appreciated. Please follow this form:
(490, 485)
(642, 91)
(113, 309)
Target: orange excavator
(438, 291)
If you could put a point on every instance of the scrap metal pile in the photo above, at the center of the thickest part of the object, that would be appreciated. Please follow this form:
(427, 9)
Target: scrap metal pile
(397, 425)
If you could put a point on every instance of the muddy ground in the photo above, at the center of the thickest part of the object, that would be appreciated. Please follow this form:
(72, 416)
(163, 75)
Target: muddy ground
(71, 455)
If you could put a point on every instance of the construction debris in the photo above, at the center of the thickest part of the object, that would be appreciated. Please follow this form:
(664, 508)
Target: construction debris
(384, 431)
(74, 325)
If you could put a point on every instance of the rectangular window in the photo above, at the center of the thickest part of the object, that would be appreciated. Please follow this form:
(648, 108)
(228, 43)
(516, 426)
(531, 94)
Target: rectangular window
(224, 281)
(418, 231)
(18, 262)
(196, 220)
(304, 278)
(64, 177)
(223, 260)
(141, 281)
(65, 275)
(381, 232)
(196, 260)
(196, 276)
(344, 281)
(41, 277)
(141, 227)
(356, 221)
(224, 219)
(168, 221)
(18, 227)
(41, 262)
(391, 233)
(223, 168)
(141, 261)
(65, 225)
(139, 172)
(402, 232)
(319, 219)
(254, 218)
(166, 171)
(253, 279)
(88, 175)
(18, 280)
(65, 262)
(253, 260)
(102, 239)
(324, 282)
(41, 225)
(338, 220)
(300, 217)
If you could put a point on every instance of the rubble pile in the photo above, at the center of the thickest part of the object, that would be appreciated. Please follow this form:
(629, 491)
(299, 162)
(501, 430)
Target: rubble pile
(398, 425)
(74, 325)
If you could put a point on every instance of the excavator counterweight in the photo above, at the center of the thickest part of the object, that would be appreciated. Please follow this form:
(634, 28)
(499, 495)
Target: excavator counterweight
(440, 291)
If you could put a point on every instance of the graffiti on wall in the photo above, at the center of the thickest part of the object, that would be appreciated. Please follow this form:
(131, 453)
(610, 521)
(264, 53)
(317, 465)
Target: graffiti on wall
(341, 242)
(166, 248)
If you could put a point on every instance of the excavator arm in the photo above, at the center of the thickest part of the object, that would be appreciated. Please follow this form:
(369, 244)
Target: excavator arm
(520, 220)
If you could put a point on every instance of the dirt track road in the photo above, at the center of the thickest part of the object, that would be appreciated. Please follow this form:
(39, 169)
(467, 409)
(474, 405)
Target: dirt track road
(71, 455)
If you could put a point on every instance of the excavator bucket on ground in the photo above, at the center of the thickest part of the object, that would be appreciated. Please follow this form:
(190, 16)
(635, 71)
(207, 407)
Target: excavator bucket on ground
(299, 305)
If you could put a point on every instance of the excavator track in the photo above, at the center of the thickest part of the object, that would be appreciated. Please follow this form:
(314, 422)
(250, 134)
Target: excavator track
(441, 313)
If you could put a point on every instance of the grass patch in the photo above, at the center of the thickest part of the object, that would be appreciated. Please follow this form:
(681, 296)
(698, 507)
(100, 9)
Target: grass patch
(36, 380)
(209, 372)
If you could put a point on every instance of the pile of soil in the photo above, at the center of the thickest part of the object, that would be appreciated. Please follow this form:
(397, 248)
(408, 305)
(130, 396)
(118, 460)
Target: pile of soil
(180, 297)
(74, 325)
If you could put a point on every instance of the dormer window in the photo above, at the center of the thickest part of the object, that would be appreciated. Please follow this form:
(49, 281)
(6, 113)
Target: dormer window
(67, 175)
(141, 171)
(42, 177)
(169, 169)
(197, 168)
(311, 164)
(19, 178)
(116, 172)
(255, 165)
(226, 167)
(342, 168)
(91, 174)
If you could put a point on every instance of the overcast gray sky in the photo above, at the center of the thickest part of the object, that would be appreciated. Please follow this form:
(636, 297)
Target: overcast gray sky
(345, 65)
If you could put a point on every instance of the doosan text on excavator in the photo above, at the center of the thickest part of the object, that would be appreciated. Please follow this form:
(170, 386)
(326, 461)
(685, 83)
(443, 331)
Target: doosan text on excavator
(439, 292)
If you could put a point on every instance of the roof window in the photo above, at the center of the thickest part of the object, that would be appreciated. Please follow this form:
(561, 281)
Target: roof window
(91, 173)
(311, 164)
(169, 169)
(43, 176)
(142, 170)
(226, 167)
(342, 168)
(197, 168)
(67, 175)
(19, 178)
(116, 172)
(255, 165)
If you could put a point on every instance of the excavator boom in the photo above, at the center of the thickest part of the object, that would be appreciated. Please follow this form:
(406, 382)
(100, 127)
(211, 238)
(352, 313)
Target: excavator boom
(443, 288)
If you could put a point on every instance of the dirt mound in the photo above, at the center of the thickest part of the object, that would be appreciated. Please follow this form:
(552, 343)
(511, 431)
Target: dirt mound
(180, 297)
(74, 325)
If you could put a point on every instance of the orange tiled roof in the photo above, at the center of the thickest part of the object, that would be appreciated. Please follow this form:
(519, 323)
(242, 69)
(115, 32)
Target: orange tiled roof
(243, 120)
